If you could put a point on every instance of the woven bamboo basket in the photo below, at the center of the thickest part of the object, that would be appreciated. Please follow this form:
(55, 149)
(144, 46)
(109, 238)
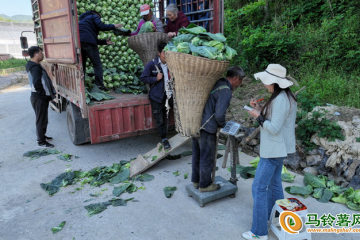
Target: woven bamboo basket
(194, 79)
(145, 44)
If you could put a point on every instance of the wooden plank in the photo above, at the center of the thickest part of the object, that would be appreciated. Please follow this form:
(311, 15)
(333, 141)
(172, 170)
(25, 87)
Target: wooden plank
(145, 161)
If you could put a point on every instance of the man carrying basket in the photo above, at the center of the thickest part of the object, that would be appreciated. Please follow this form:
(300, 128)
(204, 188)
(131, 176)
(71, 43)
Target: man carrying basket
(204, 147)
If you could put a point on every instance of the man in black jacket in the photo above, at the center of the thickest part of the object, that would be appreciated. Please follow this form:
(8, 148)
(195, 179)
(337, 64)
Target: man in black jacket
(89, 26)
(42, 91)
(204, 147)
(156, 74)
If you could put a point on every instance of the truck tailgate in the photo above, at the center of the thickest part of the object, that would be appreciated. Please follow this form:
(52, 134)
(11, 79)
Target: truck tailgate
(127, 115)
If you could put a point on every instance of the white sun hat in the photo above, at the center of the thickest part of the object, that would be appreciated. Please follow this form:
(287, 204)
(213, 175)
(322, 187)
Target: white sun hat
(274, 73)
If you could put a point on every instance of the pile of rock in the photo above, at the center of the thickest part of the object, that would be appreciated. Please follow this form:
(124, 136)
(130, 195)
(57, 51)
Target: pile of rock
(338, 160)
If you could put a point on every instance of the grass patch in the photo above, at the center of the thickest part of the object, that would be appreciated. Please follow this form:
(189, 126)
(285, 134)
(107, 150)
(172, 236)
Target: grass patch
(12, 63)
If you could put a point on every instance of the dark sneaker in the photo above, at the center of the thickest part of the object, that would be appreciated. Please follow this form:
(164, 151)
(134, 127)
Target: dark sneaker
(48, 138)
(104, 88)
(166, 145)
(196, 185)
(213, 187)
(45, 144)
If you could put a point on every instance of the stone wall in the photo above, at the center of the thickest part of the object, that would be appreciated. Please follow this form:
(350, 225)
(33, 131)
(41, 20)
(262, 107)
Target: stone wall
(338, 160)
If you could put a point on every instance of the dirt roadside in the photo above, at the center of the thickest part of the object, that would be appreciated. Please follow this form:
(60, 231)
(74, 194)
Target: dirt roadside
(13, 81)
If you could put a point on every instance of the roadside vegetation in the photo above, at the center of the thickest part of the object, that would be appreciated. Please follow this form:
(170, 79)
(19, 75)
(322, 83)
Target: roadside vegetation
(12, 63)
(316, 40)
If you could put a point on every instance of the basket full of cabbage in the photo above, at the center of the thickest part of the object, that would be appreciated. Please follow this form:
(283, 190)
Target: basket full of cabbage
(146, 41)
(196, 41)
(145, 44)
(196, 60)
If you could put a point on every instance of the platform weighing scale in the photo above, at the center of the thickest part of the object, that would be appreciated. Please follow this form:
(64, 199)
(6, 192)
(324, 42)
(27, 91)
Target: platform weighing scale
(228, 187)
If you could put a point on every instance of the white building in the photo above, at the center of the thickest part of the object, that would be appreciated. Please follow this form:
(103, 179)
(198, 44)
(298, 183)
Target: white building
(10, 33)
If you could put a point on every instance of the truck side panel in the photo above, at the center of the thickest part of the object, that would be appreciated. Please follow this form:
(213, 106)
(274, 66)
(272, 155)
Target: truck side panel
(126, 116)
(68, 83)
(57, 31)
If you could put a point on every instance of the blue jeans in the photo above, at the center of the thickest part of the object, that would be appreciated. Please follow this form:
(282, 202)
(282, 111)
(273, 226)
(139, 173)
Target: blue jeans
(266, 189)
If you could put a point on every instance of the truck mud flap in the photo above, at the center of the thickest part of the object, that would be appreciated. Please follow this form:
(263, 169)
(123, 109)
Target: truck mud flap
(78, 127)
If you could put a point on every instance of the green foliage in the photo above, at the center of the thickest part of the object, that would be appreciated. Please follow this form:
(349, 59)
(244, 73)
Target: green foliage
(12, 63)
(307, 102)
(320, 125)
(316, 40)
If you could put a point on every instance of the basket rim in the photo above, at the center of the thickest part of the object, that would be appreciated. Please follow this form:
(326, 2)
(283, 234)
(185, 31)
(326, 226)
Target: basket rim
(198, 57)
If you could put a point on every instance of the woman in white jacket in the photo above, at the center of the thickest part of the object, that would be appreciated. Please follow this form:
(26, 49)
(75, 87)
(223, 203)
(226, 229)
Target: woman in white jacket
(277, 119)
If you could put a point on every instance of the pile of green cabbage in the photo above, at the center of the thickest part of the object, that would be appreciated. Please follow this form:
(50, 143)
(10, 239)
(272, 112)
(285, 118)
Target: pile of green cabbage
(196, 41)
(122, 66)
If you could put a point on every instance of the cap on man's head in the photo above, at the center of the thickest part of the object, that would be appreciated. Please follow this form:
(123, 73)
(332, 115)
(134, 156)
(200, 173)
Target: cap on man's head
(144, 10)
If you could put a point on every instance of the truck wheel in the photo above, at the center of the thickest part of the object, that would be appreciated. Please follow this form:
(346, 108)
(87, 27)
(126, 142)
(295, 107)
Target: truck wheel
(78, 127)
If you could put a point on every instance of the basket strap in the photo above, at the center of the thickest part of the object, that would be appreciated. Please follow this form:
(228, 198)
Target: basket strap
(220, 88)
(158, 71)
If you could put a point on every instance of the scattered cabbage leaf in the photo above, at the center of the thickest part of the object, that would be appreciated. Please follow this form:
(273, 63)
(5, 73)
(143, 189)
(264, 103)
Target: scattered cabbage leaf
(318, 192)
(340, 199)
(326, 196)
(169, 191)
(302, 191)
(58, 228)
(119, 190)
(314, 181)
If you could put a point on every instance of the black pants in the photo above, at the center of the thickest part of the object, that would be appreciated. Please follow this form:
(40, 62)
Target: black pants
(92, 52)
(159, 112)
(40, 107)
(203, 158)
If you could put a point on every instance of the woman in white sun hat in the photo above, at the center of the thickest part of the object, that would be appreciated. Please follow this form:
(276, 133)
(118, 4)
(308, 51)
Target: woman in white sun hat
(277, 119)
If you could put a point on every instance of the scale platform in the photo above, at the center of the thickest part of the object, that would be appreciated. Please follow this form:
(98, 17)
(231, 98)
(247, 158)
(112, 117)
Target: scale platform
(227, 188)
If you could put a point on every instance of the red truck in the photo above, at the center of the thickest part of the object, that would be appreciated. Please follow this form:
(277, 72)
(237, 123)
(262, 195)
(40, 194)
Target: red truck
(125, 116)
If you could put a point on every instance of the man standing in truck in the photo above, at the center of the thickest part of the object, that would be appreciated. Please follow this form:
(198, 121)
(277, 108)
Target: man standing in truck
(147, 15)
(89, 26)
(42, 91)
